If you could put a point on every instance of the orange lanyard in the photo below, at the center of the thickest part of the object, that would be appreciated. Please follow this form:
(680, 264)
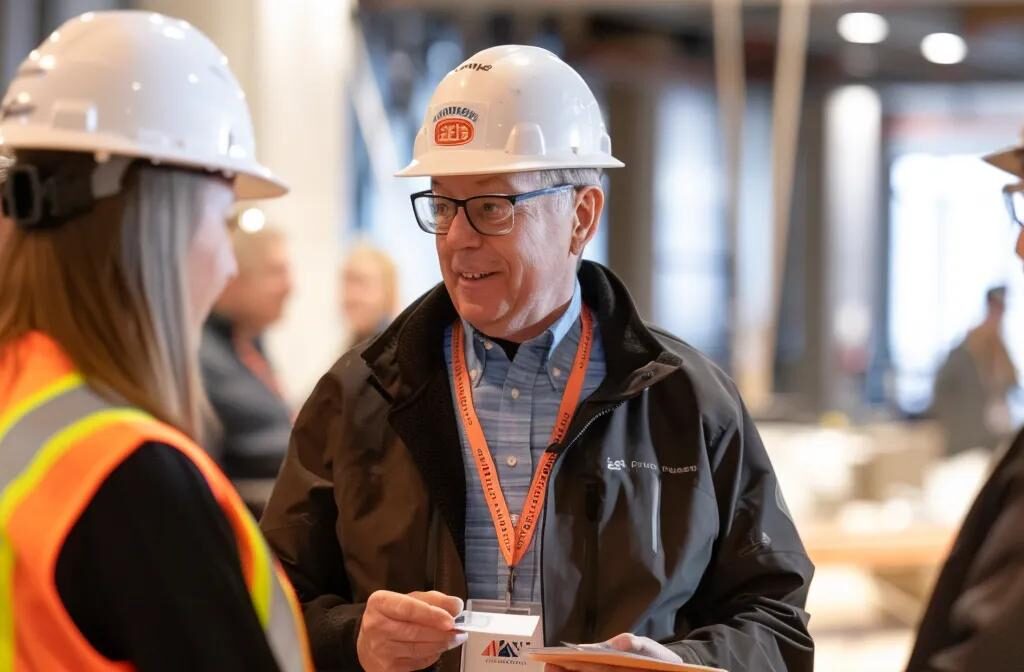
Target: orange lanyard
(515, 540)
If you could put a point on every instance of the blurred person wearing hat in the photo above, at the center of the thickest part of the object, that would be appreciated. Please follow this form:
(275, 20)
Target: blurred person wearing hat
(124, 547)
(973, 619)
(519, 437)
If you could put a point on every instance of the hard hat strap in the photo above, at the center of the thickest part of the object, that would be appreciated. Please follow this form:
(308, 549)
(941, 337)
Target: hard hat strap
(34, 202)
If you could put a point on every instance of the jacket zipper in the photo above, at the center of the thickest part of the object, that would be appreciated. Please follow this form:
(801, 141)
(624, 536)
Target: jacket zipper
(544, 518)
(585, 427)
(592, 505)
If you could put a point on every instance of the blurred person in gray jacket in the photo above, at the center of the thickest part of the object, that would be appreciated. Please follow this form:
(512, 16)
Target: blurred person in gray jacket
(254, 420)
(971, 387)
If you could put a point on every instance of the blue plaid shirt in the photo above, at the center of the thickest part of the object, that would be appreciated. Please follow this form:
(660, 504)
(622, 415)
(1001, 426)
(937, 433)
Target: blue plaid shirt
(517, 403)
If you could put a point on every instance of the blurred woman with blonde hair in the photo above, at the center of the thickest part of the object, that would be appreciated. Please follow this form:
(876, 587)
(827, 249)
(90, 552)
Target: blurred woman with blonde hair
(369, 292)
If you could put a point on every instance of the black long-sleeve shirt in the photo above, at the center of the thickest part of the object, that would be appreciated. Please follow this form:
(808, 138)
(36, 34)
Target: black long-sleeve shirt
(151, 574)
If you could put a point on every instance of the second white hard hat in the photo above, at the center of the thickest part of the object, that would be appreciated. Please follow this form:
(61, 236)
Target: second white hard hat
(511, 109)
(138, 85)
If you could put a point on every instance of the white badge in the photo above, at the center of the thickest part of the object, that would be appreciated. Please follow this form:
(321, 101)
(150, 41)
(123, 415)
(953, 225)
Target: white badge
(492, 644)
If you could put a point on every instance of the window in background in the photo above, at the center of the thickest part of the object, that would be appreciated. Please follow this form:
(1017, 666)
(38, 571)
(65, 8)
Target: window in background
(691, 274)
(951, 240)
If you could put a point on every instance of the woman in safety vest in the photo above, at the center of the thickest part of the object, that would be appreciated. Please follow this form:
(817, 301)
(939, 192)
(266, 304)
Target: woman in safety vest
(122, 547)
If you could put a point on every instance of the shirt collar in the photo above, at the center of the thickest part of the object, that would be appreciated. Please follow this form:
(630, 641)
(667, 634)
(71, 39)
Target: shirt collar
(560, 329)
(479, 348)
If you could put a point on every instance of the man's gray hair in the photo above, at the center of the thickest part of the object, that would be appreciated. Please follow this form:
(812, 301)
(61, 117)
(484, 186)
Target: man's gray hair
(577, 177)
(542, 179)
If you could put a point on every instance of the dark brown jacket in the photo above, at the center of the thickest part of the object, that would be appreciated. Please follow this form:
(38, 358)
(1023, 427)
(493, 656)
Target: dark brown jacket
(663, 517)
(975, 618)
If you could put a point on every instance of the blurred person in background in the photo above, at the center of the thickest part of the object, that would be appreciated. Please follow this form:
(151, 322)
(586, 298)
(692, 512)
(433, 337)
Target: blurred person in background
(369, 292)
(253, 420)
(123, 546)
(974, 617)
(419, 469)
(971, 390)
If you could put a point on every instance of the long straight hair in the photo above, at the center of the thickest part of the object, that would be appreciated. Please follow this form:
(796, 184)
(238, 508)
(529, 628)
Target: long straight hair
(111, 288)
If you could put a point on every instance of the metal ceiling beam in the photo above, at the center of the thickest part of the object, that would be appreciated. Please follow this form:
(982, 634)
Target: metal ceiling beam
(553, 6)
(787, 101)
(731, 86)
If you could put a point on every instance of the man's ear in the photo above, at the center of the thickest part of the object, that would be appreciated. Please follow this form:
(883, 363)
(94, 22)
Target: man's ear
(588, 205)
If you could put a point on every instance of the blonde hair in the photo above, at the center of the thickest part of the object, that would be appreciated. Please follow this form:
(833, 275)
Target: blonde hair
(111, 287)
(382, 261)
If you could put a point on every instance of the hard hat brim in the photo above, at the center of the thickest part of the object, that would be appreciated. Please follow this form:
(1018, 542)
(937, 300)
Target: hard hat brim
(496, 162)
(251, 179)
(1008, 159)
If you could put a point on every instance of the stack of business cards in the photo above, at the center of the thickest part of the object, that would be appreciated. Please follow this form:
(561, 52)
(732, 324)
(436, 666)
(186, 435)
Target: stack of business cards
(512, 625)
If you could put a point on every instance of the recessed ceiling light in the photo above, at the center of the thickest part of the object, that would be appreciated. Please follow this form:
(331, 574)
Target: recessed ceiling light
(944, 48)
(863, 27)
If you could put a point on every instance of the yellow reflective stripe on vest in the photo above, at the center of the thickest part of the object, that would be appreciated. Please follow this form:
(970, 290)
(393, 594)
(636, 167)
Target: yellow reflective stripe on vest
(37, 432)
(24, 407)
(286, 633)
(21, 486)
(280, 621)
(261, 586)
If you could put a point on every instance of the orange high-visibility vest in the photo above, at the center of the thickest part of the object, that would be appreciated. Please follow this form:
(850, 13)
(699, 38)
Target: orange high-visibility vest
(59, 441)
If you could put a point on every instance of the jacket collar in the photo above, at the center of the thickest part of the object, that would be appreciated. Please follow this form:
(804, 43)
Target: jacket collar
(410, 351)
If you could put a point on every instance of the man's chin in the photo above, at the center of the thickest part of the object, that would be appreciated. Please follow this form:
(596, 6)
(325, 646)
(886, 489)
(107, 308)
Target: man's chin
(481, 316)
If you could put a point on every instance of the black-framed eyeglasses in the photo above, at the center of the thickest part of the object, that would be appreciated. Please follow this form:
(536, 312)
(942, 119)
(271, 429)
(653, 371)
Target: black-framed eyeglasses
(1013, 195)
(488, 214)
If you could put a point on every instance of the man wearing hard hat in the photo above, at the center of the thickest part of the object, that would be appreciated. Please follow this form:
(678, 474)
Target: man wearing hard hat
(518, 437)
(973, 619)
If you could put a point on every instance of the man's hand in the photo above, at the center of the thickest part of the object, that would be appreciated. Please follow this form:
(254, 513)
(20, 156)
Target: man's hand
(642, 646)
(403, 633)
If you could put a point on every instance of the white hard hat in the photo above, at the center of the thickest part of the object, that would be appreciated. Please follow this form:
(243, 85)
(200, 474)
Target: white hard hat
(138, 85)
(1010, 159)
(511, 109)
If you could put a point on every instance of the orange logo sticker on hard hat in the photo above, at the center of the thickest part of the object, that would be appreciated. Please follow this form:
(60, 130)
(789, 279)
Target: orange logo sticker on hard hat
(452, 132)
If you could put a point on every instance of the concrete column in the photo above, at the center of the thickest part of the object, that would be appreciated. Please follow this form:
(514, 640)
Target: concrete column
(632, 123)
(752, 263)
(852, 205)
(303, 56)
